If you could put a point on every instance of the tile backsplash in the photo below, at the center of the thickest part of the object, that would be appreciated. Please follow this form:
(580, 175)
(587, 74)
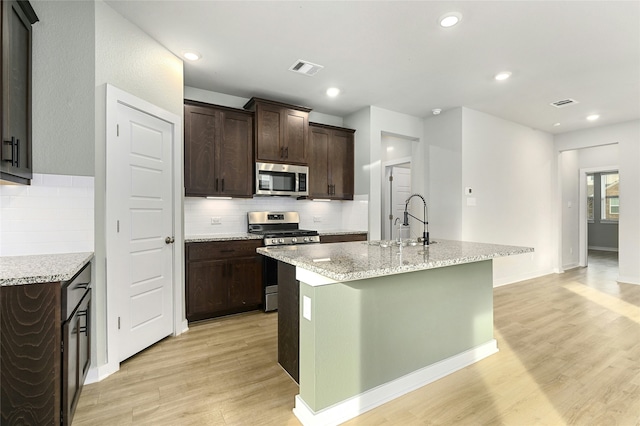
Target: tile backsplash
(52, 215)
(205, 217)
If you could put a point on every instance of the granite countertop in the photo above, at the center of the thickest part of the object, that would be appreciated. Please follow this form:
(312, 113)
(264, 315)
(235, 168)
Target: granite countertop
(360, 260)
(222, 237)
(247, 236)
(45, 268)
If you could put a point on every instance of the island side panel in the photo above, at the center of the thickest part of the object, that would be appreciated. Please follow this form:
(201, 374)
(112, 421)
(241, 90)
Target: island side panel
(369, 332)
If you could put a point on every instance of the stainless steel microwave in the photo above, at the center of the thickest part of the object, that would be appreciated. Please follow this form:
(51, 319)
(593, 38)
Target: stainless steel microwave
(282, 179)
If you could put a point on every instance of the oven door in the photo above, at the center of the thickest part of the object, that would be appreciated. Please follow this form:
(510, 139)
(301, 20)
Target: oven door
(270, 284)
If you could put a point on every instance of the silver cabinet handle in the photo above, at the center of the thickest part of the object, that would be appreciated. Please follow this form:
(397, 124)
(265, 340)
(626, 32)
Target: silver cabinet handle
(169, 240)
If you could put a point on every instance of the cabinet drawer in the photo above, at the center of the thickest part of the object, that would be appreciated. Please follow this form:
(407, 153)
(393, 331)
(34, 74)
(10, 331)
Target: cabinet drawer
(73, 291)
(222, 249)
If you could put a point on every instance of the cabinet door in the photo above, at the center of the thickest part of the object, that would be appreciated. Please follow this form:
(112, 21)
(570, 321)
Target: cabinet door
(201, 127)
(236, 156)
(207, 288)
(76, 357)
(318, 162)
(246, 282)
(269, 133)
(341, 167)
(296, 136)
(16, 93)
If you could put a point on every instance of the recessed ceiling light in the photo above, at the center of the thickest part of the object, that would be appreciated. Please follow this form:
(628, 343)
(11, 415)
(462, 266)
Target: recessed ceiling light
(191, 55)
(556, 124)
(593, 117)
(333, 92)
(449, 19)
(503, 75)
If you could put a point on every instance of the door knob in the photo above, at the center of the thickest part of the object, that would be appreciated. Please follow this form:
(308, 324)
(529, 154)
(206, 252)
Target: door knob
(169, 240)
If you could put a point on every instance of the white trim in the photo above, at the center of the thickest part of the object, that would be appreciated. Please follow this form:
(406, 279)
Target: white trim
(628, 280)
(368, 400)
(603, 248)
(115, 96)
(521, 277)
(311, 278)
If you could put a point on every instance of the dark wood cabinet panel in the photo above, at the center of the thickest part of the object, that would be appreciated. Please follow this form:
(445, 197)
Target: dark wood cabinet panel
(218, 151)
(246, 281)
(30, 352)
(45, 350)
(331, 165)
(288, 320)
(222, 278)
(280, 132)
(345, 238)
(15, 152)
(206, 289)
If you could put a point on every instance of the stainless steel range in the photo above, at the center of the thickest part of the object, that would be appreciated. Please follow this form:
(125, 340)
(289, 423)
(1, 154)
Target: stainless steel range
(277, 229)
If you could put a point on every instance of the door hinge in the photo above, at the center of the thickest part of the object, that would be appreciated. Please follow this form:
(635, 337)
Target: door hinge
(118, 323)
(62, 346)
(117, 130)
(390, 178)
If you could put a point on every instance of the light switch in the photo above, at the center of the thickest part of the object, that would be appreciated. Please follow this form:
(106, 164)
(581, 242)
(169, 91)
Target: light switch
(306, 308)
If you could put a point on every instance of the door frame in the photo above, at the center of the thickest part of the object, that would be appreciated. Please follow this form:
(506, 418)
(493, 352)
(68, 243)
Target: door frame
(115, 96)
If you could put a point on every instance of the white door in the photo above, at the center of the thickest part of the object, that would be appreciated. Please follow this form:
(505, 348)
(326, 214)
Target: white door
(397, 190)
(139, 197)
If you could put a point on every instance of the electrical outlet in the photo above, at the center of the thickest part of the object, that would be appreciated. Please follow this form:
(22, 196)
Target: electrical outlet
(317, 219)
(216, 220)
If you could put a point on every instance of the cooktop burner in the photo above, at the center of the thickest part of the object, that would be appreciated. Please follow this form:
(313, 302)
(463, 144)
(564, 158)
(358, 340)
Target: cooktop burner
(280, 228)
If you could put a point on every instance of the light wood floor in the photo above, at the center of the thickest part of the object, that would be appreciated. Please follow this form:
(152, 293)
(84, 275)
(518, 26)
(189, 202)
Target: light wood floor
(569, 354)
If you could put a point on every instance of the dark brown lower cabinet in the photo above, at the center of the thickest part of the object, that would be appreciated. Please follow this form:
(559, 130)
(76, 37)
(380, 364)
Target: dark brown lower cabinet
(222, 277)
(345, 238)
(44, 349)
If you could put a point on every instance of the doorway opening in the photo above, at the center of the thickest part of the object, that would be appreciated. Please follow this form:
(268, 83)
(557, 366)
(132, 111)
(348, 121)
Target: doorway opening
(602, 213)
(396, 156)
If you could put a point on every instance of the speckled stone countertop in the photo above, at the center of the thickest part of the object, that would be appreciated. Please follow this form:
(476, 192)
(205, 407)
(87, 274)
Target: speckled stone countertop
(247, 236)
(34, 269)
(222, 237)
(360, 260)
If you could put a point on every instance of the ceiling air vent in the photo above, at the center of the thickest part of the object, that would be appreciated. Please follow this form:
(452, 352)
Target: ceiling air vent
(563, 103)
(304, 67)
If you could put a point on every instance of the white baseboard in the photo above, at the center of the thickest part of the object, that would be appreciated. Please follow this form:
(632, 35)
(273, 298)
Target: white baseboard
(603, 248)
(570, 266)
(97, 374)
(354, 406)
(628, 280)
(516, 279)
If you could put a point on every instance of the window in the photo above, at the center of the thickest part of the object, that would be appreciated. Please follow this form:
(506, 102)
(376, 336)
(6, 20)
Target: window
(590, 195)
(610, 196)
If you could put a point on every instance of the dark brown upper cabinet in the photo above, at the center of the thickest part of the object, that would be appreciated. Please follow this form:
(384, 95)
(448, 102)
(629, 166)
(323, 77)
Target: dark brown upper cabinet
(218, 151)
(331, 162)
(15, 153)
(281, 132)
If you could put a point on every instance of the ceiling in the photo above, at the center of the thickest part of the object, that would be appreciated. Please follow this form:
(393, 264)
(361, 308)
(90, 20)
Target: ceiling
(394, 55)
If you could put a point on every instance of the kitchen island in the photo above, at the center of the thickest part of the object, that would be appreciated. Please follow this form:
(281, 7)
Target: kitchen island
(377, 322)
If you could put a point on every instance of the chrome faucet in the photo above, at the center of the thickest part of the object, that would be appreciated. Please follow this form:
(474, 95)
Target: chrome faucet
(425, 221)
(396, 222)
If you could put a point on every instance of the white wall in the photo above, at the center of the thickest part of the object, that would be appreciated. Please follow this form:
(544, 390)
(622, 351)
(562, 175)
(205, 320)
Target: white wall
(512, 171)
(443, 134)
(626, 135)
(370, 124)
(129, 59)
(63, 95)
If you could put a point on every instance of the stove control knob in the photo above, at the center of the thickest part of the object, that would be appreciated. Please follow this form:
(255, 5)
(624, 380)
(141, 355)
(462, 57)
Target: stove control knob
(274, 241)
(306, 239)
(281, 240)
(294, 240)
